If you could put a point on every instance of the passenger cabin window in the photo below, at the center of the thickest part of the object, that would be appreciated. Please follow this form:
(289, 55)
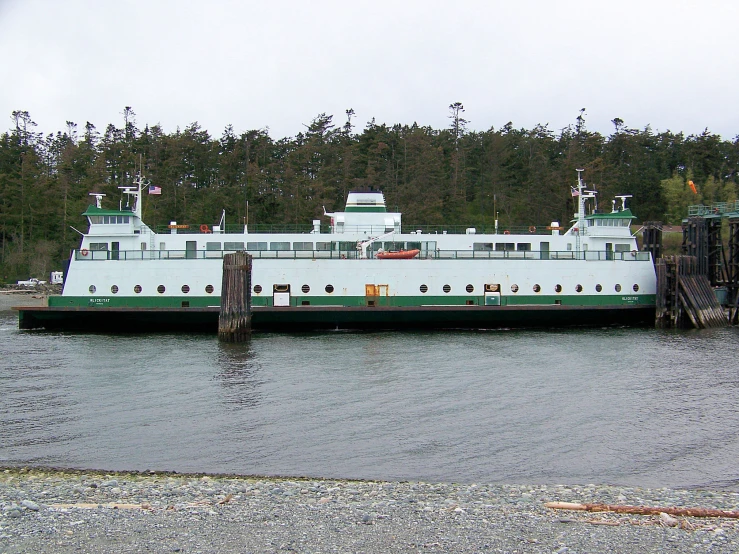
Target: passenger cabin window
(485, 246)
(622, 247)
(98, 246)
(212, 245)
(303, 246)
(256, 246)
(234, 246)
(505, 246)
(279, 246)
(523, 246)
(323, 246)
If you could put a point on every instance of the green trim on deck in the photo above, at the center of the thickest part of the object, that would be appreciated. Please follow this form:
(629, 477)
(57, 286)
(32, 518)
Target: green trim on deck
(365, 209)
(94, 210)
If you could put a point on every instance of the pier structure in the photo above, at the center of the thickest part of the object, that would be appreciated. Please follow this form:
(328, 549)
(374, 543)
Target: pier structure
(234, 319)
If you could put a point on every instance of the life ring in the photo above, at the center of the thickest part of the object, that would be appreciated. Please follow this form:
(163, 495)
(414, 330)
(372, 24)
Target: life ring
(633, 253)
(532, 229)
(83, 251)
(204, 228)
(506, 232)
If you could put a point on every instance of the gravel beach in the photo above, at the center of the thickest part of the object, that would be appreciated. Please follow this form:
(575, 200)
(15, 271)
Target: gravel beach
(79, 511)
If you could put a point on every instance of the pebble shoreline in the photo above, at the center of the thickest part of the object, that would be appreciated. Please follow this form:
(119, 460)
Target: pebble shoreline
(46, 510)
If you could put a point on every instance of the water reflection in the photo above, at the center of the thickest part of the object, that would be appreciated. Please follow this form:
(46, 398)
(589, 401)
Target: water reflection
(238, 374)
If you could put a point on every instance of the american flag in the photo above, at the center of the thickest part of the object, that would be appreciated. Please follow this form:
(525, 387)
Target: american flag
(575, 192)
(155, 190)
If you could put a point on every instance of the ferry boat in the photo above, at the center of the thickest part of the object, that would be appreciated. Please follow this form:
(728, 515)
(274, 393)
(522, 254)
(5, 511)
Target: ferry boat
(128, 276)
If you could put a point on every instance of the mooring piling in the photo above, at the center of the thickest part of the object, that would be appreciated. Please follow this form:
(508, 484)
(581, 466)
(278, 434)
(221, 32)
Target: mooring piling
(234, 320)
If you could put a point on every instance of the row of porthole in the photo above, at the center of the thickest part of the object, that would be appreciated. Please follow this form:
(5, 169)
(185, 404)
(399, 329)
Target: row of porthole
(330, 288)
(469, 288)
(160, 289)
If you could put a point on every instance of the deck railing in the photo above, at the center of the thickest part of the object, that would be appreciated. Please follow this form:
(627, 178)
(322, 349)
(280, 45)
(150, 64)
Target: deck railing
(588, 255)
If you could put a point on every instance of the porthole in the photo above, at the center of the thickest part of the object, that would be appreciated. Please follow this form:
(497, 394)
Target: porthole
(161, 289)
(578, 288)
(137, 289)
(305, 289)
(329, 289)
(257, 289)
(423, 288)
(469, 288)
(446, 288)
(514, 288)
(557, 288)
(92, 289)
(598, 288)
(114, 289)
(185, 288)
(636, 287)
(537, 288)
(209, 289)
(618, 288)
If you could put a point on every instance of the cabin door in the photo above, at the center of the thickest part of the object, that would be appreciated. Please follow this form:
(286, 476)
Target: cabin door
(544, 250)
(609, 251)
(376, 295)
(114, 250)
(191, 249)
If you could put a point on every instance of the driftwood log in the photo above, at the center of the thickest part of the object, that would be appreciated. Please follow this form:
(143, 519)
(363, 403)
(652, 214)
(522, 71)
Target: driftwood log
(643, 510)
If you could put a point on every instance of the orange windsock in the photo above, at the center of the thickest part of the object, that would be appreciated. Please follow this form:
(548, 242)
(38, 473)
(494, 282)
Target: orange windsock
(692, 187)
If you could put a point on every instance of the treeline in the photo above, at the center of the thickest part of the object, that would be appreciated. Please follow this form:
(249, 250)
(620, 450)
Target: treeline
(434, 176)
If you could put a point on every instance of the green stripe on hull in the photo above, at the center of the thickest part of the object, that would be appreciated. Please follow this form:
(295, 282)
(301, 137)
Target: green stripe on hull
(354, 301)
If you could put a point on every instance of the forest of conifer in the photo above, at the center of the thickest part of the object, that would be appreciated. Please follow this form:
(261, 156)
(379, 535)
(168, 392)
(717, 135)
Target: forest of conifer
(448, 176)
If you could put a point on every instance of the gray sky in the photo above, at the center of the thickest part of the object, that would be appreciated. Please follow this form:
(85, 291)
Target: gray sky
(670, 64)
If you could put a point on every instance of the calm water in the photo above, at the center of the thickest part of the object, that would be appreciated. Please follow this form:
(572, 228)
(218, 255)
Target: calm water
(616, 406)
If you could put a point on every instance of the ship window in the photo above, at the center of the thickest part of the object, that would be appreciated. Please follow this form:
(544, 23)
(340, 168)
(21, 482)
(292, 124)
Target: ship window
(537, 288)
(256, 246)
(622, 247)
(162, 246)
(618, 288)
(161, 289)
(469, 288)
(485, 246)
(514, 288)
(569, 246)
(279, 245)
(598, 288)
(257, 289)
(209, 289)
(557, 288)
(212, 245)
(578, 288)
(636, 287)
(95, 218)
(446, 288)
(98, 246)
(233, 246)
(185, 288)
(505, 246)
(523, 246)
(423, 288)
(92, 289)
(114, 289)
(323, 246)
(137, 289)
(329, 289)
(303, 246)
(143, 246)
(305, 289)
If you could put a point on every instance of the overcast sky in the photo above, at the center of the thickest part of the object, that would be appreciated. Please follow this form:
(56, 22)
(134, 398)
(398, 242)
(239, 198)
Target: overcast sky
(670, 64)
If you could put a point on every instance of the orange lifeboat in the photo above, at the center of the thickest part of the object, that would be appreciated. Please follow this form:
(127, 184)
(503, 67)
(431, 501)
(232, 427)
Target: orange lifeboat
(399, 255)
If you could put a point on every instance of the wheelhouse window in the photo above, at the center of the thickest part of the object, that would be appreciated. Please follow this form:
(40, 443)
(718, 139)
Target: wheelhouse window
(98, 246)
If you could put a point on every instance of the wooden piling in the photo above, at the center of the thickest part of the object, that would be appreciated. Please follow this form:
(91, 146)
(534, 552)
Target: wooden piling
(234, 320)
(652, 239)
(685, 297)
